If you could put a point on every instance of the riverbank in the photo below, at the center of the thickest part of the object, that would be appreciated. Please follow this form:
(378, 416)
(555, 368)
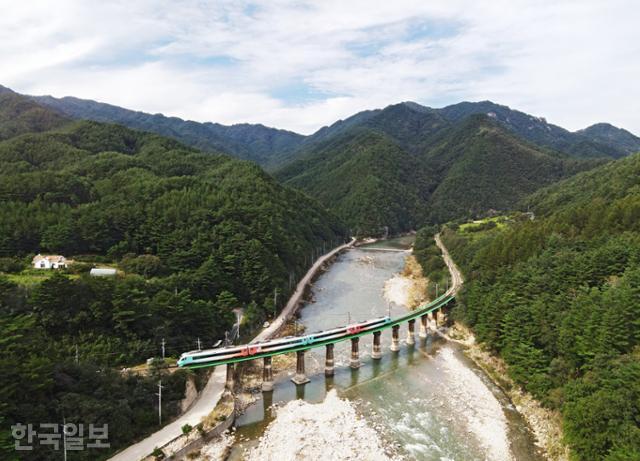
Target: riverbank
(409, 287)
(400, 397)
(545, 424)
(328, 430)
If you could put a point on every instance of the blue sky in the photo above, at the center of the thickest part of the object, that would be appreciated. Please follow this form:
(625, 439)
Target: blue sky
(301, 65)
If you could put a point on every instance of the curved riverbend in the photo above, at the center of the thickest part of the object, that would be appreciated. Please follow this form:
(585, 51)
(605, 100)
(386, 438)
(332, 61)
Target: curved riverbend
(426, 402)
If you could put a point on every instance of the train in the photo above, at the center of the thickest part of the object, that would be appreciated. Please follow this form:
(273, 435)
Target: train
(211, 357)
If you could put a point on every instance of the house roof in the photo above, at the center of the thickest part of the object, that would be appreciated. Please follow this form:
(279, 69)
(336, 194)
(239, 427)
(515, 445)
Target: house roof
(50, 258)
(103, 271)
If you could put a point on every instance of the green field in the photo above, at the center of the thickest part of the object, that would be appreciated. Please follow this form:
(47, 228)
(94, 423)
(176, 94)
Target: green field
(33, 276)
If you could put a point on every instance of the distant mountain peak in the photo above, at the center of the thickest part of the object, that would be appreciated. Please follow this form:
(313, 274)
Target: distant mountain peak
(606, 133)
(417, 107)
(4, 89)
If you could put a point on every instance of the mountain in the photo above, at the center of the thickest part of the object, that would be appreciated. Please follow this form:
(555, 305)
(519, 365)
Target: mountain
(405, 166)
(410, 124)
(482, 166)
(20, 115)
(538, 131)
(194, 236)
(605, 133)
(257, 143)
(559, 299)
(365, 178)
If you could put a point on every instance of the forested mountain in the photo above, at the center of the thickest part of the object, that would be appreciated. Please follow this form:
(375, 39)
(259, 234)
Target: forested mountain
(605, 133)
(415, 127)
(559, 299)
(482, 166)
(256, 142)
(368, 180)
(410, 124)
(406, 166)
(538, 131)
(19, 115)
(195, 236)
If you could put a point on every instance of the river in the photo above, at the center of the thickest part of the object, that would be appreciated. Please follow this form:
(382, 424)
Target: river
(427, 402)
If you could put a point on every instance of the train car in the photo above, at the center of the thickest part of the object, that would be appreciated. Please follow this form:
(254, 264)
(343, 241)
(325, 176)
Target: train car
(280, 345)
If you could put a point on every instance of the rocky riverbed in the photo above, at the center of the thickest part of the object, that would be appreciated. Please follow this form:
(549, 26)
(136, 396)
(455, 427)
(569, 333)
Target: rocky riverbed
(328, 430)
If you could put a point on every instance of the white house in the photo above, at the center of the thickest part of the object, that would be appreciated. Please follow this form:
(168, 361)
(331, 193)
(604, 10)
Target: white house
(49, 261)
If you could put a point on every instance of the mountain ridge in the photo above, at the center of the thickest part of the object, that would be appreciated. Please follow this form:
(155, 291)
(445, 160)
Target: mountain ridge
(464, 170)
(272, 147)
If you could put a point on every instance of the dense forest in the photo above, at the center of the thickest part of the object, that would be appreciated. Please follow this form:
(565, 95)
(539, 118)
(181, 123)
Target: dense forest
(376, 178)
(193, 236)
(559, 299)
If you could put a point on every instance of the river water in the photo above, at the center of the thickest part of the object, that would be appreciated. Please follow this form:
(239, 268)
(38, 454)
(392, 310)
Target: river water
(428, 401)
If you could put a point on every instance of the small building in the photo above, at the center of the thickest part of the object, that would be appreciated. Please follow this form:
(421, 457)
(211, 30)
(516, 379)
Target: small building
(102, 272)
(49, 262)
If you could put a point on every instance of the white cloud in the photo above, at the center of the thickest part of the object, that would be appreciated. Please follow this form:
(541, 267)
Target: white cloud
(574, 62)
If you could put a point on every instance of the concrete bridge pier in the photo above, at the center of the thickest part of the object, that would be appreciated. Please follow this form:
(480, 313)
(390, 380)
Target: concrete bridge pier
(411, 332)
(437, 317)
(230, 380)
(355, 353)
(423, 326)
(376, 353)
(432, 318)
(328, 363)
(395, 338)
(300, 376)
(267, 375)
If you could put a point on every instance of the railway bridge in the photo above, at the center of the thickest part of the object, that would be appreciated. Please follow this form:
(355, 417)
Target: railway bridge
(265, 350)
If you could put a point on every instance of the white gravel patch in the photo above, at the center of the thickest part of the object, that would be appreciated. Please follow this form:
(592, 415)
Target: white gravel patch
(330, 430)
(217, 449)
(476, 405)
(398, 290)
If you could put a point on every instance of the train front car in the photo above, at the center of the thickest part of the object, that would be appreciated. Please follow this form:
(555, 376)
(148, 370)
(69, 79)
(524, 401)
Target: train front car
(184, 360)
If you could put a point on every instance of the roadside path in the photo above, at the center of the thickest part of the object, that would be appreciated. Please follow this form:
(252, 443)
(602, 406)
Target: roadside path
(296, 298)
(214, 388)
(201, 407)
(456, 275)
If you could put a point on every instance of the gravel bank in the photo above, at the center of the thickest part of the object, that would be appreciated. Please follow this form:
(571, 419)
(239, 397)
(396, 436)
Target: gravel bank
(545, 424)
(329, 430)
(476, 406)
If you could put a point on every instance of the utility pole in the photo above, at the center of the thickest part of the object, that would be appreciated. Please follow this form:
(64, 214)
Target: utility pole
(199, 348)
(77, 355)
(162, 348)
(275, 302)
(436, 290)
(159, 394)
(64, 437)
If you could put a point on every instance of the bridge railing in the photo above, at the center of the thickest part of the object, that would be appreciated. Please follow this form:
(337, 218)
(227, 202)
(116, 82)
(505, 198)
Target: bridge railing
(309, 342)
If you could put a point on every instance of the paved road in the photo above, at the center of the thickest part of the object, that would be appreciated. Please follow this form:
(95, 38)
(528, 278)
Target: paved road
(294, 301)
(201, 407)
(215, 386)
(456, 275)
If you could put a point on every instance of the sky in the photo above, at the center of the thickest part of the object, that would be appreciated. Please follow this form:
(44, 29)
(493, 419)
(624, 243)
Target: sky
(300, 65)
